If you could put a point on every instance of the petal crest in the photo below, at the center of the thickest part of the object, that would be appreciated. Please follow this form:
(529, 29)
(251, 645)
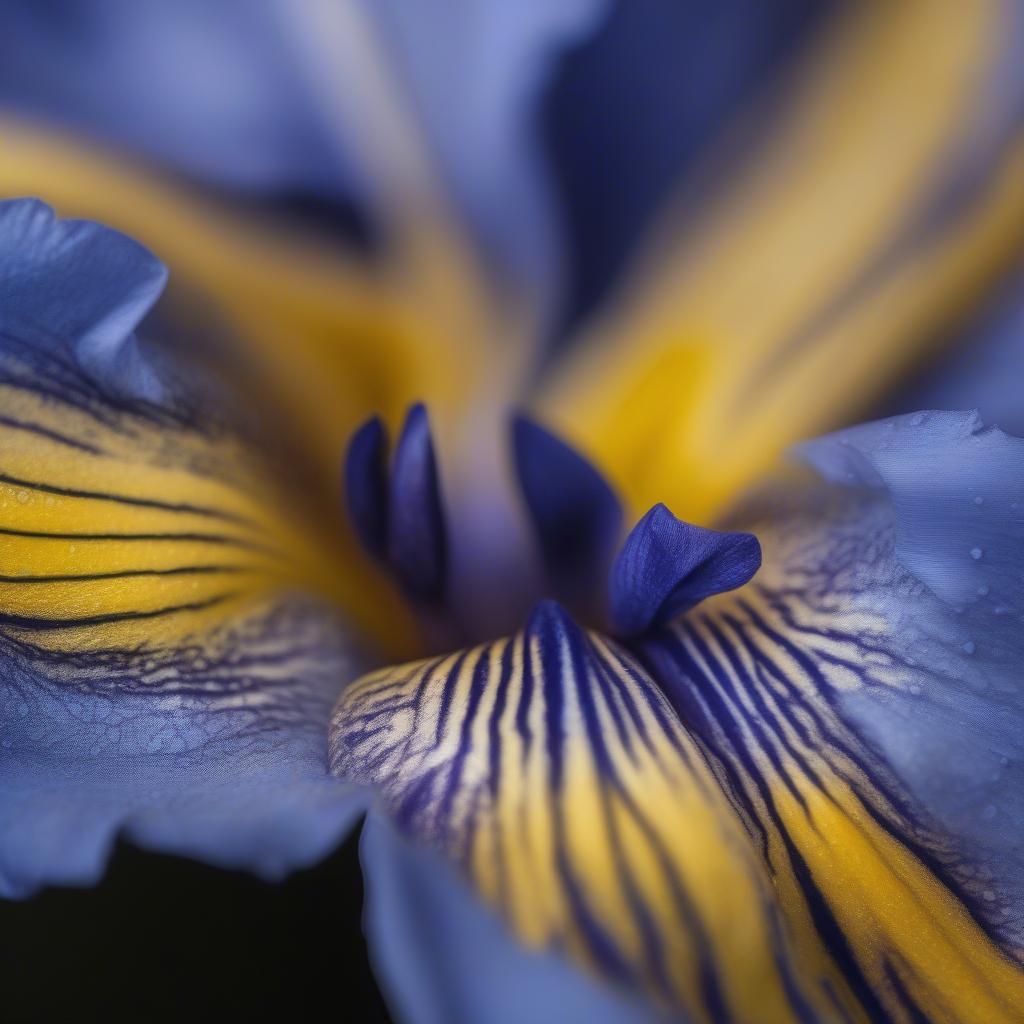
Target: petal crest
(667, 566)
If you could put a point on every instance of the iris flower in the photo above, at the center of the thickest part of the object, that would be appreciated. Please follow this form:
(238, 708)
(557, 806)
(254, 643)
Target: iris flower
(644, 721)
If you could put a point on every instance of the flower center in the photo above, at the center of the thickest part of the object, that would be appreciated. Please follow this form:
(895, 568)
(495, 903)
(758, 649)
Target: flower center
(395, 501)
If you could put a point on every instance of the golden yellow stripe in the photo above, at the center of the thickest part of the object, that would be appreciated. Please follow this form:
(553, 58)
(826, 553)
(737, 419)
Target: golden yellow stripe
(699, 380)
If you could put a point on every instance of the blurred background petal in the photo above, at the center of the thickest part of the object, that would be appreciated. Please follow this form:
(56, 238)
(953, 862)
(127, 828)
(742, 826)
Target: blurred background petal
(205, 89)
(446, 959)
(634, 107)
(475, 73)
(789, 290)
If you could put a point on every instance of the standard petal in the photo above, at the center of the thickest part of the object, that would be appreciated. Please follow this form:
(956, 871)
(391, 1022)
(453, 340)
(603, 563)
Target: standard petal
(552, 770)
(243, 115)
(364, 335)
(864, 695)
(285, 99)
(443, 959)
(814, 275)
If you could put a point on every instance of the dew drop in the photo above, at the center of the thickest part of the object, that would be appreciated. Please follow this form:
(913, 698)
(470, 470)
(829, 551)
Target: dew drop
(976, 553)
(988, 896)
(917, 420)
(969, 647)
(983, 590)
(989, 813)
(23, 497)
(979, 500)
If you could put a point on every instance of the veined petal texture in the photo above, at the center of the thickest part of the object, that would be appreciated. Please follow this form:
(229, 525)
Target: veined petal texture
(162, 674)
(795, 802)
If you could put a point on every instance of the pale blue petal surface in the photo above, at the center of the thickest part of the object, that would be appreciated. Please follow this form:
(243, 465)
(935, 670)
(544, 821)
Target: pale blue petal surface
(224, 92)
(955, 729)
(475, 73)
(211, 90)
(441, 958)
(219, 765)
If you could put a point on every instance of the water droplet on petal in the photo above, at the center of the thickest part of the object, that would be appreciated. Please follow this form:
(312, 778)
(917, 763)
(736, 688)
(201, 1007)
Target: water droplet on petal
(983, 591)
(917, 420)
(976, 553)
(969, 647)
(979, 500)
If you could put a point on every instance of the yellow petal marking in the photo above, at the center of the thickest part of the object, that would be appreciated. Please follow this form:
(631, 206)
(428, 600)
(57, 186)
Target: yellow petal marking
(783, 309)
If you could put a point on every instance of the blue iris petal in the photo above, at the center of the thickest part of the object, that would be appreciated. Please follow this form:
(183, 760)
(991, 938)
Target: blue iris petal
(241, 116)
(417, 540)
(476, 72)
(80, 288)
(444, 959)
(255, 112)
(222, 763)
(667, 566)
(956, 493)
(197, 736)
(576, 515)
(880, 649)
(366, 485)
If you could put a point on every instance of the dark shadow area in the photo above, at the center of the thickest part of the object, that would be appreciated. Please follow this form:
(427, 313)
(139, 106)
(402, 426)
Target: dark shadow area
(634, 106)
(166, 939)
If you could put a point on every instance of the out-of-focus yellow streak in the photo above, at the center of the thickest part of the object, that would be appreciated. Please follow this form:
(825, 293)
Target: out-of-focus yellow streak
(775, 318)
(325, 338)
(315, 339)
